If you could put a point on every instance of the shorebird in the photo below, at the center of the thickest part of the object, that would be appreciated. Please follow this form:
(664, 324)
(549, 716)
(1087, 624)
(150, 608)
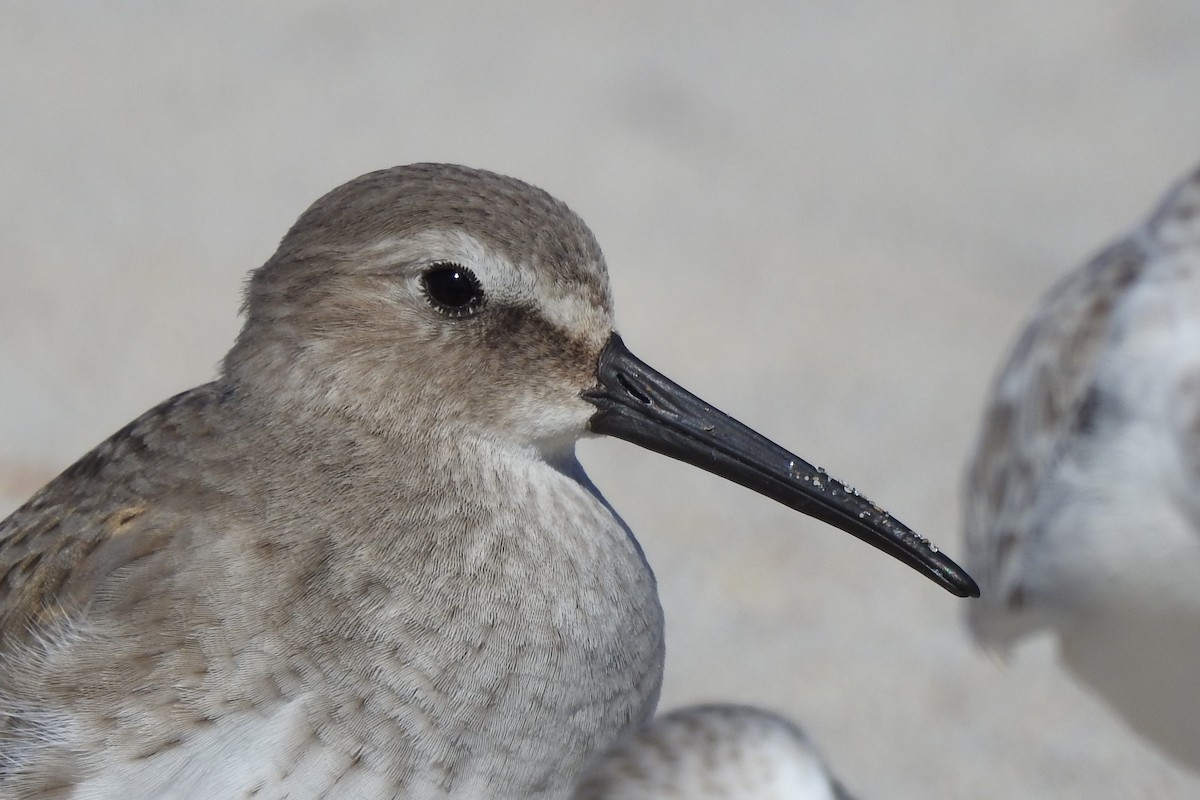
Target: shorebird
(712, 752)
(1082, 502)
(364, 561)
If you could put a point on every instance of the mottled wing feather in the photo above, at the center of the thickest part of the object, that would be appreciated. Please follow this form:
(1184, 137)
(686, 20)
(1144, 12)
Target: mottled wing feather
(1043, 397)
(85, 524)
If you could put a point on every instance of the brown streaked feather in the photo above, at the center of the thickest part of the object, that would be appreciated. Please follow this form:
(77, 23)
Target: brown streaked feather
(95, 518)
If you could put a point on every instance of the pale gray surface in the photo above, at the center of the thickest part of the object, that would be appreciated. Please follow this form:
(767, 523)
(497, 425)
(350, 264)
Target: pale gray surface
(829, 219)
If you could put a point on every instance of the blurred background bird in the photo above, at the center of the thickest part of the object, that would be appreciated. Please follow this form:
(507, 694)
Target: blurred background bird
(1083, 497)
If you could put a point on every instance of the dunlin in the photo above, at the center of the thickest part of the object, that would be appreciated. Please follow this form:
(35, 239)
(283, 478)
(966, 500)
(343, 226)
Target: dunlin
(712, 752)
(1082, 509)
(364, 561)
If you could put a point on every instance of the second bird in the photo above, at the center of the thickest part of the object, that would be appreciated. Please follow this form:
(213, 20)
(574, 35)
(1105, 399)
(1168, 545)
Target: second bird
(1082, 510)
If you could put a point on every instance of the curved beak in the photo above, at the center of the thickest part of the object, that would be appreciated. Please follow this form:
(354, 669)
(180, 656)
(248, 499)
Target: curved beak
(640, 405)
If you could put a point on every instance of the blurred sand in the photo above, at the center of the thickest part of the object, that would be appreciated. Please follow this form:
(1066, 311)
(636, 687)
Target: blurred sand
(829, 219)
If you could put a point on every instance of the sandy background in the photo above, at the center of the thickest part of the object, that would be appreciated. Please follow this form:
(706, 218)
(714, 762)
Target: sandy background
(827, 218)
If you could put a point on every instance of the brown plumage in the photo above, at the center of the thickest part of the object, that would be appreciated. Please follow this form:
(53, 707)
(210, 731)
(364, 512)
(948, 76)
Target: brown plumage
(364, 562)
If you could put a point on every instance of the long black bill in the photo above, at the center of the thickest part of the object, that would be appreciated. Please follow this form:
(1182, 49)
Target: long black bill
(638, 404)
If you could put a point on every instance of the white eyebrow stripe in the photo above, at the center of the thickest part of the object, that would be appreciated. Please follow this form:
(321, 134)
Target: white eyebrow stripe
(504, 281)
(501, 279)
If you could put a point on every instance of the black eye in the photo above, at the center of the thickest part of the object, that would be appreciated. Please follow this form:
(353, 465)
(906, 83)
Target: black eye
(452, 289)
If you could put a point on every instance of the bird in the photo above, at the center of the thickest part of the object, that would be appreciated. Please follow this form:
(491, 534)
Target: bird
(1082, 496)
(364, 561)
(718, 751)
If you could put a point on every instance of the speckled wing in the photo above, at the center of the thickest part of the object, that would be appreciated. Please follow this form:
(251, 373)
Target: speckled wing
(1043, 399)
(97, 517)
